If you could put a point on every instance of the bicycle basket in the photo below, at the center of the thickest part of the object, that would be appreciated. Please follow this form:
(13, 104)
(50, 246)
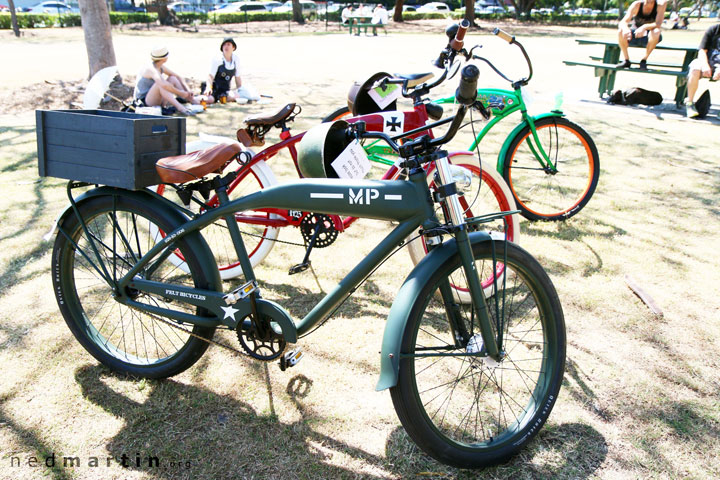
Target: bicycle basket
(319, 147)
(360, 103)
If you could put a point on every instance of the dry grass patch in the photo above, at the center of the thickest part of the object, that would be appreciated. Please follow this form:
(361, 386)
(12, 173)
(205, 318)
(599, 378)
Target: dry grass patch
(640, 396)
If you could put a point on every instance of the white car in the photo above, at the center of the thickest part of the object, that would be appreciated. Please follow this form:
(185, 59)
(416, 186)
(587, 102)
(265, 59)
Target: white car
(184, 7)
(307, 6)
(236, 7)
(51, 7)
(434, 7)
(270, 5)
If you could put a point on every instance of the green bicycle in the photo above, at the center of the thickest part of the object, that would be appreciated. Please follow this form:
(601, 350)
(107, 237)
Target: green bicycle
(551, 164)
(472, 383)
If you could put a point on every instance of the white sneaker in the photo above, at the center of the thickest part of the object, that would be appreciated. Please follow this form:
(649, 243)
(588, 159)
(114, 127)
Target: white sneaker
(690, 110)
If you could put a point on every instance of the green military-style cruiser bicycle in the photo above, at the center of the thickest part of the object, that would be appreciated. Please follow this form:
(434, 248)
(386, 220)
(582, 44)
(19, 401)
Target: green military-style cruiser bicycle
(550, 164)
(472, 382)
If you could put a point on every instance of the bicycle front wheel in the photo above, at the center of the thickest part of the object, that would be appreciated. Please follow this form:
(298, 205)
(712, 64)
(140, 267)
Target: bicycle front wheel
(126, 340)
(338, 114)
(470, 411)
(563, 187)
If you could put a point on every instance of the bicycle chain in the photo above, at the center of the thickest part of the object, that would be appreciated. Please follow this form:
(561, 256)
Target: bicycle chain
(189, 332)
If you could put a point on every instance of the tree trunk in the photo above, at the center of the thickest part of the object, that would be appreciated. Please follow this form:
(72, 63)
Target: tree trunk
(13, 18)
(470, 12)
(397, 14)
(297, 12)
(98, 39)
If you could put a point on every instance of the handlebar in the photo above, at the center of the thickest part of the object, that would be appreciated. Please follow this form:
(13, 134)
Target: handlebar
(425, 146)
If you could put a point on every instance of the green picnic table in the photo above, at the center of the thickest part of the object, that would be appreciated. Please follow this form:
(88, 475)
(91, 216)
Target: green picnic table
(606, 66)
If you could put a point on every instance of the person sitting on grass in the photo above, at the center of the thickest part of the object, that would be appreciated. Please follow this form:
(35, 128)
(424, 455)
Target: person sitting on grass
(640, 27)
(157, 85)
(706, 65)
(223, 69)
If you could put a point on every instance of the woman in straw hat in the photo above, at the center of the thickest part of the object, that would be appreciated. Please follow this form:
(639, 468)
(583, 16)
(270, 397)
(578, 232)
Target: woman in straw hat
(157, 85)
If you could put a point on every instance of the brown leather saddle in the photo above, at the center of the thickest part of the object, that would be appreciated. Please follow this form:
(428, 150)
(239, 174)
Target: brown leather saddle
(259, 124)
(194, 166)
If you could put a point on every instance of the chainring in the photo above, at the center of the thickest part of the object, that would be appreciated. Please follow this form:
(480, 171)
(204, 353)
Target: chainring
(327, 232)
(260, 341)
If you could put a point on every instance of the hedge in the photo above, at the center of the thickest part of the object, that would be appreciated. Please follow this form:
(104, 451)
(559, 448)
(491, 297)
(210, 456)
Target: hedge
(121, 18)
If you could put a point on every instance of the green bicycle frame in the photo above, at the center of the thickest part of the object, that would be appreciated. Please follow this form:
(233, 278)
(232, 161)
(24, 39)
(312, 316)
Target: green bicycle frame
(407, 202)
(512, 102)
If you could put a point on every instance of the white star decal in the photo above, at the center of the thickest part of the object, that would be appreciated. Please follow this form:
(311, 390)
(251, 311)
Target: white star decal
(230, 312)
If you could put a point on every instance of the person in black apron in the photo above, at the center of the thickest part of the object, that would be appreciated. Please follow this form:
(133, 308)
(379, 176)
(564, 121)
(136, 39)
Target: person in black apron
(640, 27)
(223, 69)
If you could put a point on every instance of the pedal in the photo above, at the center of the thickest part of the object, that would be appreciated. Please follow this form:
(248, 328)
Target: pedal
(240, 293)
(300, 267)
(291, 358)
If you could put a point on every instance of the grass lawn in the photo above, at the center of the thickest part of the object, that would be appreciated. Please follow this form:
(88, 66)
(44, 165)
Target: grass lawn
(641, 395)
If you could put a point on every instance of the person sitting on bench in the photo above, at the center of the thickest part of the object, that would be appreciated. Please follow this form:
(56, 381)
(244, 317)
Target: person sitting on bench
(706, 65)
(640, 27)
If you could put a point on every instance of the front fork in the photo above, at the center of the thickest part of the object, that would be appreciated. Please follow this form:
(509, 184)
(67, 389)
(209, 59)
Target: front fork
(457, 219)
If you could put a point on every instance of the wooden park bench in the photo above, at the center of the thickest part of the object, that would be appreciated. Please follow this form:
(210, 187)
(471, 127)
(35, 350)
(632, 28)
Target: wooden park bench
(606, 66)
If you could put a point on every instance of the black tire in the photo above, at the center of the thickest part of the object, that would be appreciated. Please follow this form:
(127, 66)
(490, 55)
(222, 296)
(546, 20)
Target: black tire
(337, 114)
(545, 194)
(467, 412)
(126, 340)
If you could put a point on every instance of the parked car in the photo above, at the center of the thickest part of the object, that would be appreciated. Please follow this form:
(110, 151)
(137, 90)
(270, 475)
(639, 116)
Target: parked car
(409, 8)
(182, 7)
(242, 7)
(125, 6)
(434, 7)
(270, 5)
(490, 9)
(307, 6)
(51, 7)
(4, 8)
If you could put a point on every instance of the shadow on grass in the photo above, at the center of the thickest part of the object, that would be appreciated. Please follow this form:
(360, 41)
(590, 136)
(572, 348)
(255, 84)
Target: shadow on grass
(578, 451)
(196, 433)
(299, 301)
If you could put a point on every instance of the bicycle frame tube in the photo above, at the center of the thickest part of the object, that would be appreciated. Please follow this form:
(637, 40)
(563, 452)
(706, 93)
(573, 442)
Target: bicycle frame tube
(405, 201)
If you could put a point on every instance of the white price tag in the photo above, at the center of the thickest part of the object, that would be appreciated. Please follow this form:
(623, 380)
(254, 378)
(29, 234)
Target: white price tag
(384, 97)
(352, 162)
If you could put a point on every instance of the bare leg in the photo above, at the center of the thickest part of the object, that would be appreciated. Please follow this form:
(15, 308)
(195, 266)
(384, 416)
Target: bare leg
(653, 39)
(175, 81)
(693, 81)
(158, 96)
(623, 43)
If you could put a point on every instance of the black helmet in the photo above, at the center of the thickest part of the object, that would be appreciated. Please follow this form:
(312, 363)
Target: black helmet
(360, 103)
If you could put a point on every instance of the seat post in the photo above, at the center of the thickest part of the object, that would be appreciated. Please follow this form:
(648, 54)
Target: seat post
(221, 191)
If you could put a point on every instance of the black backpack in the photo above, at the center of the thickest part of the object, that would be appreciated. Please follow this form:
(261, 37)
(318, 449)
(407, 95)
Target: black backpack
(635, 96)
(702, 105)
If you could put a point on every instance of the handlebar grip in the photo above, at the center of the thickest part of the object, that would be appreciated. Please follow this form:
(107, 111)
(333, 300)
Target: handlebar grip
(467, 91)
(504, 35)
(457, 43)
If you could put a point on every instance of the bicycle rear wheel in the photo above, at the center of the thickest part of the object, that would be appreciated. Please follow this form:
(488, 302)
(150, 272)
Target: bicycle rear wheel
(124, 339)
(465, 410)
(488, 193)
(564, 188)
